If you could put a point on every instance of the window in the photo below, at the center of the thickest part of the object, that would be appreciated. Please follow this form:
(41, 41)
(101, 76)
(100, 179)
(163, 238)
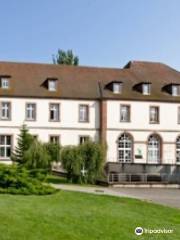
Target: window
(175, 90)
(5, 83)
(83, 113)
(30, 111)
(117, 87)
(52, 85)
(5, 110)
(125, 148)
(178, 115)
(154, 149)
(83, 139)
(125, 113)
(54, 112)
(54, 139)
(5, 146)
(178, 150)
(146, 88)
(154, 114)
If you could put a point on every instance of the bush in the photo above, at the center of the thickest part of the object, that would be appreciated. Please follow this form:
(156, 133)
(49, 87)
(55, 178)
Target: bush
(88, 156)
(40, 174)
(53, 150)
(93, 156)
(24, 142)
(72, 162)
(37, 156)
(17, 180)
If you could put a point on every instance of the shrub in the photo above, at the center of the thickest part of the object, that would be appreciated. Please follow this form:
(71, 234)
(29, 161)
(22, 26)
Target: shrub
(88, 156)
(72, 161)
(24, 142)
(53, 150)
(37, 156)
(93, 156)
(17, 180)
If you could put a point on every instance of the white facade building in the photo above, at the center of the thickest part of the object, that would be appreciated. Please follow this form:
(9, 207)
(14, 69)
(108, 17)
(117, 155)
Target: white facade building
(135, 110)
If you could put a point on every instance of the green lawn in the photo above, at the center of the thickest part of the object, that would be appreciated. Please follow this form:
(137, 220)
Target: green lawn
(81, 216)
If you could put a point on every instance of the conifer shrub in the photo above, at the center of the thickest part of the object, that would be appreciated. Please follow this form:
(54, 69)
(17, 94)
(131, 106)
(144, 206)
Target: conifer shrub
(17, 180)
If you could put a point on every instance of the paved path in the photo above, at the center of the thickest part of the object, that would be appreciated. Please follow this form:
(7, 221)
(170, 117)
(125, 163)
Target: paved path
(168, 197)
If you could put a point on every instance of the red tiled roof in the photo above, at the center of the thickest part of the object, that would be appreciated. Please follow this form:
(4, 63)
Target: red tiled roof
(88, 82)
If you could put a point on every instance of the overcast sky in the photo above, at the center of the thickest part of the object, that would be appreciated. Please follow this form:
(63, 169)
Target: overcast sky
(101, 32)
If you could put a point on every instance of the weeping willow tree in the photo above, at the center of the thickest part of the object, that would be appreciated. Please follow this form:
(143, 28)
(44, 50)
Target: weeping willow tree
(37, 156)
(72, 161)
(83, 163)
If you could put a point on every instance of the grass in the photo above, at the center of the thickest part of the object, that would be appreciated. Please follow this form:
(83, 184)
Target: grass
(56, 179)
(62, 180)
(80, 216)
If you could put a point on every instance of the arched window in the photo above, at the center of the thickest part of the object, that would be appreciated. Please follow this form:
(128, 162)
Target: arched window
(154, 149)
(125, 148)
(178, 150)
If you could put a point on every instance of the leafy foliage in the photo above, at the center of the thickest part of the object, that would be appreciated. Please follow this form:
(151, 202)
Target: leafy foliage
(93, 156)
(37, 156)
(66, 57)
(72, 161)
(53, 150)
(88, 156)
(24, 142)
(17, 180)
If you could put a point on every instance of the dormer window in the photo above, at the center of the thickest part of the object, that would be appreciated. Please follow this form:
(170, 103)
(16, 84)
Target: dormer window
(4, 83)
(146, 88)
(52, 85)
(175, 90)
(117, 87)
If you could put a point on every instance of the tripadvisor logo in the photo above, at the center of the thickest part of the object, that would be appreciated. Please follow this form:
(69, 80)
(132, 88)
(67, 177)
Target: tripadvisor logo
(139, 231)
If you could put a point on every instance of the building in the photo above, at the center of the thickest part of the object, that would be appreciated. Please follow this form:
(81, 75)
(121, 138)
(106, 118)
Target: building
(135, 110)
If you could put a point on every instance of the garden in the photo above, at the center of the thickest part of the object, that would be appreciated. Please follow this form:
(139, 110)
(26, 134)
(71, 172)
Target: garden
(47, 213)
(33, 161)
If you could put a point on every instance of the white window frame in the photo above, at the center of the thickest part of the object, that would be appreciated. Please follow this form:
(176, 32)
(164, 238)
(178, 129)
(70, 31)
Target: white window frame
(54, 139)
(178, 115)
(117, 88)
(52, 85)
(125, 113)
(83, 139)
(30, 111)
(154, 149)
(5, 110)
(83, 113)
(55, 108)
(178, 150)
(154, 115)
(146, 89)
(4, 83)
(125, 148)
(175, 90)
(5, 146)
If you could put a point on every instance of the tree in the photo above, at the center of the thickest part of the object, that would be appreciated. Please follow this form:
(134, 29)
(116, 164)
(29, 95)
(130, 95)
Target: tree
(37, 156)
(72, 161)
(93, 158)
(54, 151)
(83, 163)
(24, 142)
(66, 58)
